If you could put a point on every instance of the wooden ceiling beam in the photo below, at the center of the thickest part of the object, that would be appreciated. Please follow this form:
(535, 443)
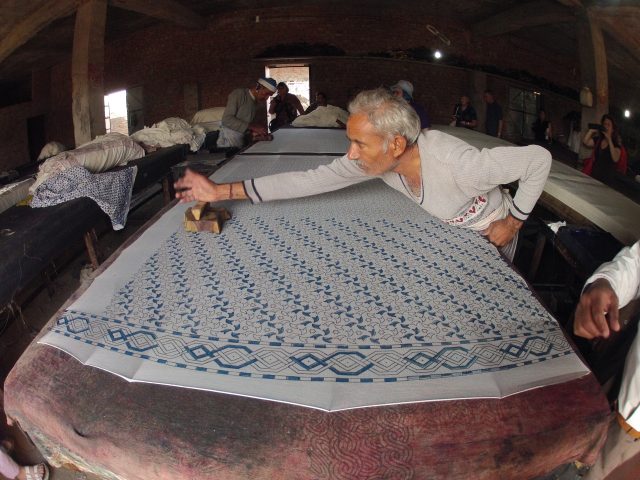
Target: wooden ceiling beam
(620, 23)
(28, 27)
(167, 10)
(530, 14)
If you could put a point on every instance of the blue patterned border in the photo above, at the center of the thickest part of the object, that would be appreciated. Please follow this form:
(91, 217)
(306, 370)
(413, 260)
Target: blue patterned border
(364, 363)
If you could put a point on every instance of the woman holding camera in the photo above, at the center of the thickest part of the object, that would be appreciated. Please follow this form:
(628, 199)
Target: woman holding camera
(608, 154)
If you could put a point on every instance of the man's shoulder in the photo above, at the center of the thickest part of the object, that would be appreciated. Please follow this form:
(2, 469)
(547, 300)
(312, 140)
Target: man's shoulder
(440, 144)
(239, 92)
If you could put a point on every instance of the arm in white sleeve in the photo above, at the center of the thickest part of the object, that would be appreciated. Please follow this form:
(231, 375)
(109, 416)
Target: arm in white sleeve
(623, 273)
(340, 173)
(481, 171)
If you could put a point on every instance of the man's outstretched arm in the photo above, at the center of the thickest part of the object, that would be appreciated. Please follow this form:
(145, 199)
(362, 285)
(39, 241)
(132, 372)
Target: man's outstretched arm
(196, 187)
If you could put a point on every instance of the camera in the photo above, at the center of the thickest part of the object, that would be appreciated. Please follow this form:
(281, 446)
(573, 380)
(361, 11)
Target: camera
(596, 126)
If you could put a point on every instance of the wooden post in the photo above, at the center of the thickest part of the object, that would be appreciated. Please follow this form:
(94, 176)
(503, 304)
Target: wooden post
(87, 70)
(593, 68)
(601, 100)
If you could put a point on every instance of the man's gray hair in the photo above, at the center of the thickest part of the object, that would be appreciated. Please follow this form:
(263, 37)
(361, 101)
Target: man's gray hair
(389, 115)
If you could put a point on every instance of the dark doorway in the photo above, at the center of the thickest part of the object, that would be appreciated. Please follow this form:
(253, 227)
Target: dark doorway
(36, 135)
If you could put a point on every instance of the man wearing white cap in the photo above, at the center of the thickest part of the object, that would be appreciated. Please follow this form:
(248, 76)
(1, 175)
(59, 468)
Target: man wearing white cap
(240, 112)
(404, 89)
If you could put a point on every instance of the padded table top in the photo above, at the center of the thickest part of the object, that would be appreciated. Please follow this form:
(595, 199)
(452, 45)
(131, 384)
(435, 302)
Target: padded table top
(104, 424)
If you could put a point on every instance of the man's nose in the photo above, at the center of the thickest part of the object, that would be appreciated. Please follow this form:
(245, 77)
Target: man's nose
(352, 153)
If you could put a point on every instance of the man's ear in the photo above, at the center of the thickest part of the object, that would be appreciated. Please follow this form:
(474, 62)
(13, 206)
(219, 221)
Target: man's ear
(398, 145)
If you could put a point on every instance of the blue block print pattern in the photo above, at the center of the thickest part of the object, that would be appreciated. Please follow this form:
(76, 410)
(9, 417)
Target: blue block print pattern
(333, 298)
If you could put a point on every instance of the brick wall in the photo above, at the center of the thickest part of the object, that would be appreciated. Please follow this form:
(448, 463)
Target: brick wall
(163, 59)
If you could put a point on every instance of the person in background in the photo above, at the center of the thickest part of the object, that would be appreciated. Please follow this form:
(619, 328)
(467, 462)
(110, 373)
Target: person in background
(608, 156)
(445, 176)
(285, 106)
(240, 111)
(493, 120)
(321, 101)
(404, 89)
(542, 129)
(464, 115)
(612, 286)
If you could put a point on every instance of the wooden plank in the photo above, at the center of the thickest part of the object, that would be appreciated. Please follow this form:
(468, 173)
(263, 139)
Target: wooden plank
(28, 27)
(167, 10)
(530, 14)
(87, 71)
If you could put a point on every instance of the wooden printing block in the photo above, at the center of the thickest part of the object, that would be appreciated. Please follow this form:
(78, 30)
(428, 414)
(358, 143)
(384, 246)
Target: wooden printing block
(209, 219)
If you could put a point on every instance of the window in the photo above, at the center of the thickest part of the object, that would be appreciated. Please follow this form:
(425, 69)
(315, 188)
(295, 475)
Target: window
(523, 110)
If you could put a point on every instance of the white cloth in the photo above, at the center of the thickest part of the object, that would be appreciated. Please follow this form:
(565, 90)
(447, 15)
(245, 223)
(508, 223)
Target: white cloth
(51, 149)
(623, 273)
(171, 131)
(322, 117)
(99, 155)
(230, 138)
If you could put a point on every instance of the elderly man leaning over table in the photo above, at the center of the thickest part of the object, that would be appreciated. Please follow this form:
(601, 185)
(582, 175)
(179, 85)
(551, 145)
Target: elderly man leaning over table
(614, 285)
(447, 177)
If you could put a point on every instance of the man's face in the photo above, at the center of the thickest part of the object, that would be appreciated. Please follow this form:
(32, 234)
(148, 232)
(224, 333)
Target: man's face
(263, 94)
(321, 100)
(488, 98)
(464, 101)
(282, 92)
(367, 147)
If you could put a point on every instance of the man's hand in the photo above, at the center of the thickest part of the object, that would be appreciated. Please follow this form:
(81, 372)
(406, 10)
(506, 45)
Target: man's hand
(257, 129)
(501, 232)
(597, 311)
(194, 186)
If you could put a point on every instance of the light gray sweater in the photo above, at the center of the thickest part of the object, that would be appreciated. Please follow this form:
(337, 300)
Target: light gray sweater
(460, 184)
(239, 111)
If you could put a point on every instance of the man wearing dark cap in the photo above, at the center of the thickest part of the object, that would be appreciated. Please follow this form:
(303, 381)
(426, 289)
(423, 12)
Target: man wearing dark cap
(240, 112)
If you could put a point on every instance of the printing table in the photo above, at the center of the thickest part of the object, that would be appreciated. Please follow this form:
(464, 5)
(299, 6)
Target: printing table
(99, 422)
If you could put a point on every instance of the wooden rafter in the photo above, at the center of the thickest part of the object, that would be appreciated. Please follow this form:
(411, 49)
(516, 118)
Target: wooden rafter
(530, 14)
(621, 23)
(28, 27)
(167, 10)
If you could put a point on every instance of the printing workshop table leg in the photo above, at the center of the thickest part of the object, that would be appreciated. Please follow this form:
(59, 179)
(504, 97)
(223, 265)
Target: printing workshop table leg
(91, 242)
